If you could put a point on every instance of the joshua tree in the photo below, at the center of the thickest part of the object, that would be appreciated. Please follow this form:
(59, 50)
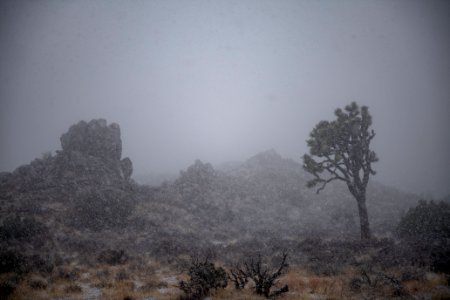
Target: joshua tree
(342, 148)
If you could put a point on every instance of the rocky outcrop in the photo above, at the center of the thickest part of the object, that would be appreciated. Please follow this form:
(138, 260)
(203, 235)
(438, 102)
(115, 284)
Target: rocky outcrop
(87, 175)
(86, 187)
(95, 138)
(90, 157)
(95, 146)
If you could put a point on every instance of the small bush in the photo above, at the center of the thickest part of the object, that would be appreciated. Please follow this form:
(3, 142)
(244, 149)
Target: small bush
(113, 257)
(426, 230)
(428, 220)
(203, 277)
(8, 286)
(104, 273)
(12, 261)
(73, 289)
(71, 275)
(103, 284)
(263, 275)
(41, 264)
(37, 283)
(22, 229)
(150, 285)
(122, 275)
(101, 209)
(377, 282)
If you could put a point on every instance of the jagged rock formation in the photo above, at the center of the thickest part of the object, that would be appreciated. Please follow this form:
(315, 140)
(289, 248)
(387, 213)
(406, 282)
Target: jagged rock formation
(94, 146)
(95, 138)
(90, 156)
(85, 186)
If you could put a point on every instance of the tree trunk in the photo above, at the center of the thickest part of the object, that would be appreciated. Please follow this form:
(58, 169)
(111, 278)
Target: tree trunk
(363, 217)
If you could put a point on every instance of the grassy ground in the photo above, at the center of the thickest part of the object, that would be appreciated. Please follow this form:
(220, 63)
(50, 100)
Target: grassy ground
(151, 280)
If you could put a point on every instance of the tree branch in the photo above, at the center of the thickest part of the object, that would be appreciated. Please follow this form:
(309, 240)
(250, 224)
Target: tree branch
(325, 182)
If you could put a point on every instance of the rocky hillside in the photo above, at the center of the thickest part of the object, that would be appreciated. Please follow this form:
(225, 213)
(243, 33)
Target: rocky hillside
(82, 200)
(267, 196)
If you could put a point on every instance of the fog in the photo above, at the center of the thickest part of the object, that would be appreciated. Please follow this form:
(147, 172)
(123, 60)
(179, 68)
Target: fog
(223, 80)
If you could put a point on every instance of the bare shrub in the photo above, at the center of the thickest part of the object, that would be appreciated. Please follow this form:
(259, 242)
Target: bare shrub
(238, 276)
(262, 274)
(203, 277)
(374, 281)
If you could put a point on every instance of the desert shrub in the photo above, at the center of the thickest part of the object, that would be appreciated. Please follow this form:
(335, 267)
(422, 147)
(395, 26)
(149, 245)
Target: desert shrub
(103, 273)
(13, 261)
(21, 229)
(68, 274)
(376, 282)
(428, 220)
(203, 277)
(122, 275)
(99, 209)
(426, 229)
(103, 284)
(41, 263)
(329, 257)
(167, 245)
(238, 276)
(7, 288)
(8, 285)
(73, 288)
(113, 257)
(150, 285)
(263, 274)
(37, 283)
(84, 245)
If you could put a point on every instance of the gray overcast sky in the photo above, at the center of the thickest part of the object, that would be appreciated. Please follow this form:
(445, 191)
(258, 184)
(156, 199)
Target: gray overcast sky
(223, 80)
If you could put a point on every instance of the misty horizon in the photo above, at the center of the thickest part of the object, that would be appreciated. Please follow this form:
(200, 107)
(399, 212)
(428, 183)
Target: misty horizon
(223, 81)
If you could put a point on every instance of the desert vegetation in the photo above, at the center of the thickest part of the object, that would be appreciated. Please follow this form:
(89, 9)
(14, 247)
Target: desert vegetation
(75, 225)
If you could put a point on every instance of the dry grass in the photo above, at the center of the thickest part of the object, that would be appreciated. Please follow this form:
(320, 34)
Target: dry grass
(428, 286)
(151, 279)
(297, 280)
(230, 293)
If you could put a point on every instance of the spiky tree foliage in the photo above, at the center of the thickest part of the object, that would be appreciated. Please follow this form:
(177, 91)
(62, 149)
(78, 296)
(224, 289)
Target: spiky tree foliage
(341, 151)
